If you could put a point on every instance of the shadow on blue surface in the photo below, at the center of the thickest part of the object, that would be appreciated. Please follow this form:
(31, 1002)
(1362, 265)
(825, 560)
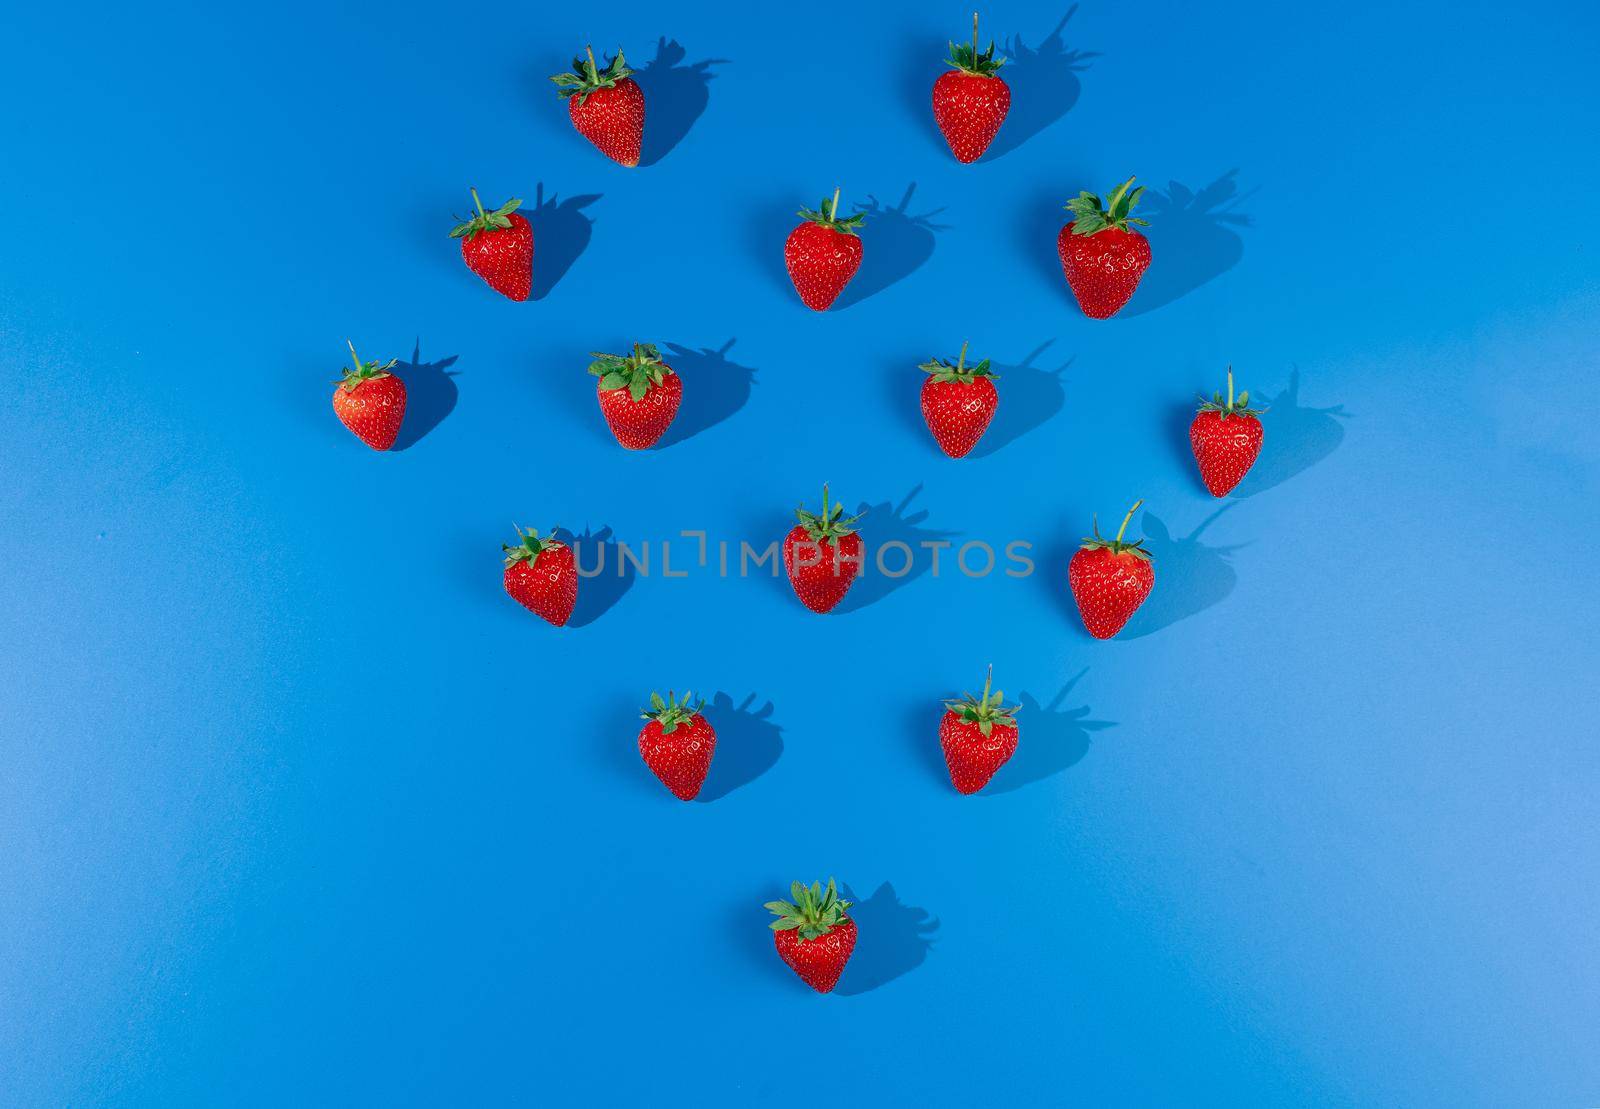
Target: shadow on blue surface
(1297, 438)
(1029, 398)
(561, 232)
(1191, 576)
(714, 388)
(885, 523)
(1051, 738)
(892, 939)
(748, 743)
(675, 95)
(430, 395)
(1044, 86)
(597, 554)
(894, 245)
(1193, 239)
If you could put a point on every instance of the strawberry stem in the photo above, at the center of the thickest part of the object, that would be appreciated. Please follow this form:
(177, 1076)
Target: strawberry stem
(476, 202)
(1230, 388)
(353, 356)
(961, 362)
(1126, 520)
(589, 50)
(834, 212)
(974, 34)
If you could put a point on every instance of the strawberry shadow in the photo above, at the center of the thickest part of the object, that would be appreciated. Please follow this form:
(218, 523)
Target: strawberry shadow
(430, 395)
(675, 96)
(894, 245)
(892, 940)
(604, 575)
(1194, 238)
(1052, 738)
(889, 523)
(1191, 575)
(748, 743)
(714, 388)
(1030, 397)
(1044, 85)
(1297, 438)
(561, 232)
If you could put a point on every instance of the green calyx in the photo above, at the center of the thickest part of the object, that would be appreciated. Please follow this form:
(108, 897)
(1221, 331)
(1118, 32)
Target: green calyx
(672, 712)
(587, 78)
(529, 546)
(1117, 546)
(827, 214)
(813, 912)
(1231, 406)
(1090, 215)
(637, 372)
(363, 371)
(985, 710)
(960, 373)
(497, 220)
(831, 525)
(966, 58)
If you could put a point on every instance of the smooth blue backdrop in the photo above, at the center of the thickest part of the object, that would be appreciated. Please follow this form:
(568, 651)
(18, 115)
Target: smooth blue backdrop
(297, 806)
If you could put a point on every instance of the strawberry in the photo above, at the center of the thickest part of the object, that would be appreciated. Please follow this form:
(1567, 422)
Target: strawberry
(606, 105)
(371, 401)
(813, 934)
(970, 103)
(638, 393)
(1226, 437)
(1101, 254)
(978, 735)
(823, 253)
(822, 555)
(498, 247)
(677, 743)
(958, 402)
(542, 576)
(1110, 579)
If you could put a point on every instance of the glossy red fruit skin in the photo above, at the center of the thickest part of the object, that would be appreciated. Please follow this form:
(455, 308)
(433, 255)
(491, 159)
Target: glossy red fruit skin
(821, 262)
(373, 410)
(1224, 448)
(681, 758)
(971, 756)
(821, 572)
(819, 961)
(969, 110)
(958, 413)
(548, 587)
(503, 257)
(612, 119)
(638, 424)
(1109, 588)
(1103, 269)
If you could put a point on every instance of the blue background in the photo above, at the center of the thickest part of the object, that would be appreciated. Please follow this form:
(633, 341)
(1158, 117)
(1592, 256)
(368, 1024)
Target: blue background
(295, 804)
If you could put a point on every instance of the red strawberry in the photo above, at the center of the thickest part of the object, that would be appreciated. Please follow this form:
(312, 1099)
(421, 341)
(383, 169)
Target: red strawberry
(813, 934)
(371, 401)
(498, 247)
(677, 744)
(978, 735)
(638, 393)
(822, 555)
(1110, 579)
(542, 576)
(958, 402)
(1101, 254)
(606, 105)
(823, 253)
(970, 103)
(1226, 437)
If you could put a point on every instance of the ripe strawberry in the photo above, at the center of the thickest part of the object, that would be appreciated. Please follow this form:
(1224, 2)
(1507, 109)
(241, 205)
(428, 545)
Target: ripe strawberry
(1110, 579)
(958, 402)
(813, 934)
(823, 253)
(822, 555)
(1101, 254)
(606, 105)
(1226, 437)
(542, 576)
(971, 102)
(498, 247)
(638, 393)
(371, 401)
(677, 743)
(978, 735)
